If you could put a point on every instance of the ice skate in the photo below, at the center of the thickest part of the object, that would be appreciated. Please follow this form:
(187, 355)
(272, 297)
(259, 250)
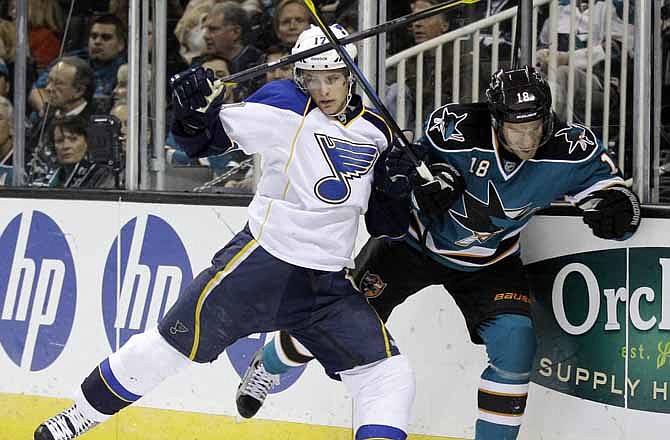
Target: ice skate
(254, 388)
(65, 425)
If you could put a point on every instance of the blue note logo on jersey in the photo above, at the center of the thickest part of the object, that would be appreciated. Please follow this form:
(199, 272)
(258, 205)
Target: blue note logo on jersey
(38, 290)
(447, 125)
(347, 161)
(486, 218)
(155, 268)
(576, 136)
(242, 352)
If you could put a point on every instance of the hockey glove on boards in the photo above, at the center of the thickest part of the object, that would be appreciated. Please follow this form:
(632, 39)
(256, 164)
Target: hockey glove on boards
(612, 213)
(436, 196)
(197, 97)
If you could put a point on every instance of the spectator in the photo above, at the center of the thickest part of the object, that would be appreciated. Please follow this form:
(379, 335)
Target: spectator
(6, 141)
(7, 41)
(120, 111)
(69, 91)
(105, 53)
(5, 83)
(6, 131)
(45, 25)
(190, 30)
(225, 30)
(220, 69)
(423, 30)
(70, 86)
(290, 19)
(275, 53)
(74, 169)
(600, 18)
(120, 94)
(226, 27)
(428, 28)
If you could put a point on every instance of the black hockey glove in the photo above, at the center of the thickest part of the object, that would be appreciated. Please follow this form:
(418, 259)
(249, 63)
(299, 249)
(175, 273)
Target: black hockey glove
(437, 196)
(397, 171)
(612, 213)
(196, 98)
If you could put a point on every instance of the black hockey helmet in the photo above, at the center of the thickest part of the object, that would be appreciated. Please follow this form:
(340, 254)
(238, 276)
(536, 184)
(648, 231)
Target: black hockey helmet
(520, 95)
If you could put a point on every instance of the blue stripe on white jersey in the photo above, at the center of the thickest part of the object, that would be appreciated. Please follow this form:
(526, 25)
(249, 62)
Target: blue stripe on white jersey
(281, 94)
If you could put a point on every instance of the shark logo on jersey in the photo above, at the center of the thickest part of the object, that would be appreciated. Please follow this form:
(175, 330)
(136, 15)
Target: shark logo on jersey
(347, 160)
(576, 136)
(479, 216)
(447, 125)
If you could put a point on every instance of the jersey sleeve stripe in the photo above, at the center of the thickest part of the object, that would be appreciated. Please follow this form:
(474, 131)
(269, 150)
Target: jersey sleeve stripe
(602, 184)
(379, 122)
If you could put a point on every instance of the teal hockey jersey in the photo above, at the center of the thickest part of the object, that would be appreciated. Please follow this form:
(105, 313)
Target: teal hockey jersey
(502, 192)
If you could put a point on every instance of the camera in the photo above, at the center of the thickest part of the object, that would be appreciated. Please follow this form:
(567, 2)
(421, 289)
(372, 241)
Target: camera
(102, 138)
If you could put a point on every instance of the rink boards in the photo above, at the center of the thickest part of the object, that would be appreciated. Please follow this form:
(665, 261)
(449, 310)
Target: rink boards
(80, 277)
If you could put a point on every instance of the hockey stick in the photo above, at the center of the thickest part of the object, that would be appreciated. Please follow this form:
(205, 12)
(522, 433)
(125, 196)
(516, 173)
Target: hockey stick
(336, 44)
(261, 69)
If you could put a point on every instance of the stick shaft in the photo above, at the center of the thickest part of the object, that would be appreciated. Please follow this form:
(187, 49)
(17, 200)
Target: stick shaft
(261, 69)
(369, 90)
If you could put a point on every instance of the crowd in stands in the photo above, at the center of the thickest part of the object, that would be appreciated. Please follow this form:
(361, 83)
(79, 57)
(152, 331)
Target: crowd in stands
(77, 68)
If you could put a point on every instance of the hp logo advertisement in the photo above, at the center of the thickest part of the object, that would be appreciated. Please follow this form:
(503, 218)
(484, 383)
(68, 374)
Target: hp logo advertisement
(38, 290)
(146, 268)
(154, 268)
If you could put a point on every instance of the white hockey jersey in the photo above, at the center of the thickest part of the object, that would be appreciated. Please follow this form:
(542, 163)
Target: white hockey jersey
(316, 172)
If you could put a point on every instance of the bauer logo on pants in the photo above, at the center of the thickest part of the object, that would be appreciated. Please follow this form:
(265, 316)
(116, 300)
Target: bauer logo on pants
(38, 290)
(155, 268)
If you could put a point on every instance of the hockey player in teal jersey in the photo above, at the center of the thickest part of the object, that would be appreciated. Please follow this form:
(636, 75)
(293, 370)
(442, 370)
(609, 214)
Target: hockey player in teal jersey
(505, 159)
(285, 269)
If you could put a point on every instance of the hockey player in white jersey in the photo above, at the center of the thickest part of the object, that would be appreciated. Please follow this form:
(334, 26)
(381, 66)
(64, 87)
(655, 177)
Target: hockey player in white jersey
(285, 269)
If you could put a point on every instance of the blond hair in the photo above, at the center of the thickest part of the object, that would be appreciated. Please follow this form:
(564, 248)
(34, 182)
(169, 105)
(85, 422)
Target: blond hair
(6, 103)
(7, 40)
(45, 14)
(193, 17)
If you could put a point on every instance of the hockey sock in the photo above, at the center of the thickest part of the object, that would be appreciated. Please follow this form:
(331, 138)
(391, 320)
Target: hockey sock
(271, 361)
(488, 430)
(503, 390)
(378, 432)
(138, 367)
(382, 393)
(283, 353)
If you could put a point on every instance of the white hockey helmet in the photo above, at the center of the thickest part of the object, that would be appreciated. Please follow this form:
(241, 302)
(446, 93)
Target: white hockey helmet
(312, 37)
(330, 60)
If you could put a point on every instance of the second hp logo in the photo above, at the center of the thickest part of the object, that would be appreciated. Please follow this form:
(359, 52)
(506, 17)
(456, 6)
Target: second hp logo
(154, 268)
